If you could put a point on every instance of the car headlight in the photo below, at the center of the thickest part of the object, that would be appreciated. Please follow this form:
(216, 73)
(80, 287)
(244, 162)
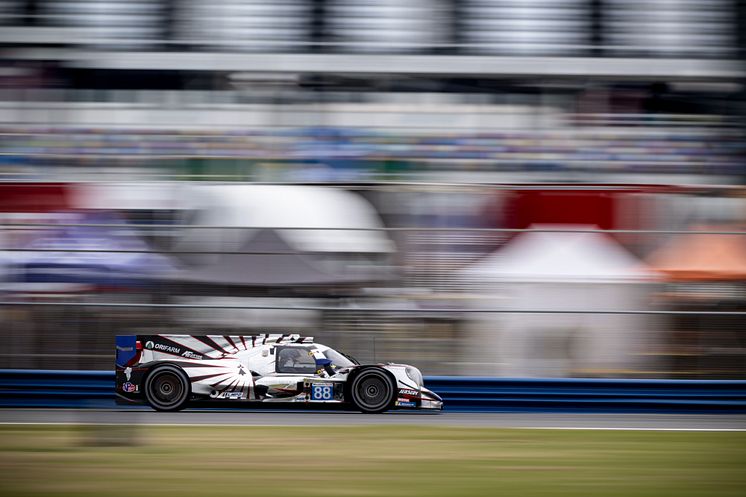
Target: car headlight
(414, 375)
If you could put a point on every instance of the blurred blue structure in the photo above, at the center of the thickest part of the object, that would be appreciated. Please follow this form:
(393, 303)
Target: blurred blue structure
(95, 389)
(89, 254)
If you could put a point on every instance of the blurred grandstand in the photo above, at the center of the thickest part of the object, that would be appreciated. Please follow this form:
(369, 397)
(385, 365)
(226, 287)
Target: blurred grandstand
(358, 170)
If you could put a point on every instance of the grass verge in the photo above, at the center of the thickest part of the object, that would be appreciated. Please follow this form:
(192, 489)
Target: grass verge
(367, 461)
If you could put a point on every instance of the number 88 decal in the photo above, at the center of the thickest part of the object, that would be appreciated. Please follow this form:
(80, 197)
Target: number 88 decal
(321, 392)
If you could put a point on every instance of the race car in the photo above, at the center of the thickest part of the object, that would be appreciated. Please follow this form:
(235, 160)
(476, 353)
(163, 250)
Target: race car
(169, 372)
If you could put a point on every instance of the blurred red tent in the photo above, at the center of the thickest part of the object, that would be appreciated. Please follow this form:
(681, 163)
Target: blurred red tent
(702, 257)
(607, 206)
(35, 197)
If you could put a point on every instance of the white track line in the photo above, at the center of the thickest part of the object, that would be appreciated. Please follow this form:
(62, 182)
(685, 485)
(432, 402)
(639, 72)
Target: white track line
(265, 425)
(622, 428)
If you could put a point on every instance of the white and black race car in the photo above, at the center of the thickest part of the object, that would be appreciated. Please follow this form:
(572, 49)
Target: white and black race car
(171, 371)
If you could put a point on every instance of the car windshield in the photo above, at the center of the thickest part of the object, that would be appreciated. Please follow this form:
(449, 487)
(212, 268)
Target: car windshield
(339, 359)
(295, 360)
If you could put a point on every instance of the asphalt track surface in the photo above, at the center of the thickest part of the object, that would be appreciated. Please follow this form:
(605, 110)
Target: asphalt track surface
(663, 422)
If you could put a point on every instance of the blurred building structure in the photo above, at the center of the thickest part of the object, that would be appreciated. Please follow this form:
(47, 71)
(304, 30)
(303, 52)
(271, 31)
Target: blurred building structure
(403, 140)
(560, 271)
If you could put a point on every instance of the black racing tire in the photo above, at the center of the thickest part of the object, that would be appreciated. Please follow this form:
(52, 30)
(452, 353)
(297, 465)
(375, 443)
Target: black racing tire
(372, 391)
(167, 388)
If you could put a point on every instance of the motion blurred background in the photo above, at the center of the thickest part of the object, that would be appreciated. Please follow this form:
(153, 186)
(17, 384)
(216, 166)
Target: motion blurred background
(478, 187)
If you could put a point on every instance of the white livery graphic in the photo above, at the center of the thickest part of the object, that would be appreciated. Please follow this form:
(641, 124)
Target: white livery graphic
(171, 371)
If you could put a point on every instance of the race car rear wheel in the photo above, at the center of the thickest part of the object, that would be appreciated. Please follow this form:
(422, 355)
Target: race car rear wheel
(372, 391)
(167, 388)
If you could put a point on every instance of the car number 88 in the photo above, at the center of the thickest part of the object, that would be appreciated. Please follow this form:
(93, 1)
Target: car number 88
(321, 392)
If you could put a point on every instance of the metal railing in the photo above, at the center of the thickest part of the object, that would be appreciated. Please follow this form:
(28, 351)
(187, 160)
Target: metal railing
(92, 318)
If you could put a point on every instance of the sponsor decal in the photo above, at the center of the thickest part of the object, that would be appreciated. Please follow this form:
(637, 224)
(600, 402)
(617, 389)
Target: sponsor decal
(401, 403)
(233, 395)
(149, 345)
(165, 348)
(129, 387)
(128, 372)
(191, 355)
(408, 391)
(125, 349)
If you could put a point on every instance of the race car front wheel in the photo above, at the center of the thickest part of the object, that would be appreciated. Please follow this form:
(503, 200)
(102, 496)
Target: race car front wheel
(372, 391)
(167, 388)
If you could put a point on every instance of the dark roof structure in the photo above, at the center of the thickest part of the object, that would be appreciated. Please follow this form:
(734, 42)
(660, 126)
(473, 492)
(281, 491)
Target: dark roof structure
(266, 260)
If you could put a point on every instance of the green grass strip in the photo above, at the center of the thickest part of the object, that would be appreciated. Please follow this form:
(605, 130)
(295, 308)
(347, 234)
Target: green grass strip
(386, 461)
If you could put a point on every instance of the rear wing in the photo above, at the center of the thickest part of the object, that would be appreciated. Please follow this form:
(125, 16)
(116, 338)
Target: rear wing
(127, 350)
